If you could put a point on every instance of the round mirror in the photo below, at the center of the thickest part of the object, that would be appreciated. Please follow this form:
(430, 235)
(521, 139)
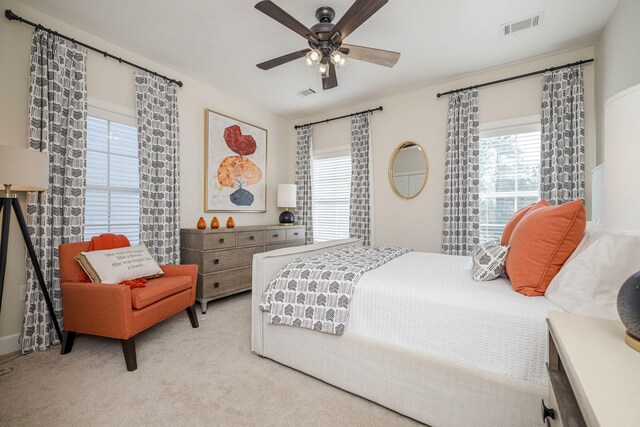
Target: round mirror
(408, 170)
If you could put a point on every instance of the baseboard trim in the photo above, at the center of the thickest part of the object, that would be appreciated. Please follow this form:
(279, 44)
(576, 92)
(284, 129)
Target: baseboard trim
(9, 344)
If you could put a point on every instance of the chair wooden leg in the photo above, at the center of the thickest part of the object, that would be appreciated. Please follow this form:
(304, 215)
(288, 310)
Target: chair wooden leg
(129, 350)
(68, 337)
(191, 311)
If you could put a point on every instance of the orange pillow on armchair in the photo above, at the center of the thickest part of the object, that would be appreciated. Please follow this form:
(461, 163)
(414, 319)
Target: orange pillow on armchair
(541, 243)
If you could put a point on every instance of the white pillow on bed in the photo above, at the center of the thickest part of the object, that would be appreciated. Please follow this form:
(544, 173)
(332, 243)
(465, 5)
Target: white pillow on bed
(589, 282)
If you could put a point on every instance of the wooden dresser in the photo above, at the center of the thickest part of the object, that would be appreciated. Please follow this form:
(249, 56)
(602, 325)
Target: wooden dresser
(594, 375)
(224, 256)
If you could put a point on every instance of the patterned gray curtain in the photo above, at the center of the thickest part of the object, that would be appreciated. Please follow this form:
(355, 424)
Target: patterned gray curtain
(58, 126)
(562, 157)
(360, 206)
(303, 181)
(159, 157)
(460, 229)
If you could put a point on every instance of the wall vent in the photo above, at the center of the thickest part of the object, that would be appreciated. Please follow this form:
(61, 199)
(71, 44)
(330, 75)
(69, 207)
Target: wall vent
(522, 24)
(306, 92)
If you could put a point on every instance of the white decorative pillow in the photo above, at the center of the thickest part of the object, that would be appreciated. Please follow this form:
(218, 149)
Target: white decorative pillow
(488, 261)
(589, 281)
(117, 265)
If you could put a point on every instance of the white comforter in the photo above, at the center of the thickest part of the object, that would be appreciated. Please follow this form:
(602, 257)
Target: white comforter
(429, 303)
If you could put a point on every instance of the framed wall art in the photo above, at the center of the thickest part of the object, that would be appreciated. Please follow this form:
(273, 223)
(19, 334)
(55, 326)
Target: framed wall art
(235, 165)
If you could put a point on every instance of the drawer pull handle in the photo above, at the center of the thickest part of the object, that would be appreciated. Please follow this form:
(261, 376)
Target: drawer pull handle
(275, 236)
(252, 237)
(216, 261)
(221, 240)
(547, 412)
(216, 285)
(295, 234)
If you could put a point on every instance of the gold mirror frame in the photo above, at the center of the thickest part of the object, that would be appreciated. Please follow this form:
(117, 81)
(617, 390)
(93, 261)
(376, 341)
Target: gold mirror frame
(391, 165)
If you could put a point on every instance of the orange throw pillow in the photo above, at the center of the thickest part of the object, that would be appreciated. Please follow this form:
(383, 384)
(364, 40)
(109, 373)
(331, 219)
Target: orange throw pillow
(541, 243)
(108, 241)
(516, 218)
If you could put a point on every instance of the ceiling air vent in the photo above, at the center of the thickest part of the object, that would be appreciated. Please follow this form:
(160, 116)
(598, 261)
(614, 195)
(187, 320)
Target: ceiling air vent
(306, 92)
(522, 24)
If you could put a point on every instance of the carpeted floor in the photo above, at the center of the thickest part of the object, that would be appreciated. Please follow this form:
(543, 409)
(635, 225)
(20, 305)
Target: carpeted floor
(185, 376)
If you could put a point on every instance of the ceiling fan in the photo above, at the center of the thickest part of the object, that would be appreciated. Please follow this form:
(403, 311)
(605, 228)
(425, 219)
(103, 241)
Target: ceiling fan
(326, 49)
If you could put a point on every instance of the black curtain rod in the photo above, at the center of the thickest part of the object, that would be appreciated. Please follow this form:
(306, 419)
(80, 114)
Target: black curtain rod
(13, 17)
(521, 76)
(337, 118)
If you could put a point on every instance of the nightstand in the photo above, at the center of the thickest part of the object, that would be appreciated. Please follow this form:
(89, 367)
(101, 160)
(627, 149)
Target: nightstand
(594, 376)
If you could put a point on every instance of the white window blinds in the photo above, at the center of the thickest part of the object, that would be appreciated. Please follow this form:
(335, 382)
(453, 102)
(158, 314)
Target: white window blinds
(112, 202)
(509, 176)
(331, 186)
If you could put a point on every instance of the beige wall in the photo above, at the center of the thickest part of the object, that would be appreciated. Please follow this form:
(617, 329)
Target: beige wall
(421, 117)
(618, 60)
(112, 83)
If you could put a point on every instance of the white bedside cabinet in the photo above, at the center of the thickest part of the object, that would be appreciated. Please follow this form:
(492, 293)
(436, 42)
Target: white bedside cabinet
(594, 376)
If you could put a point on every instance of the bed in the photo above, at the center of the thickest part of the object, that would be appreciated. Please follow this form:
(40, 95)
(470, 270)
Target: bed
(422, 339)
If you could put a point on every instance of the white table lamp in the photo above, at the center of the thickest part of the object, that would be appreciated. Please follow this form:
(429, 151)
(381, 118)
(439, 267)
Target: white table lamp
(286, 199)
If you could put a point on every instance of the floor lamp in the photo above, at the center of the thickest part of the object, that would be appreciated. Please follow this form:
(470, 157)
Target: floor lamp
(22, 170)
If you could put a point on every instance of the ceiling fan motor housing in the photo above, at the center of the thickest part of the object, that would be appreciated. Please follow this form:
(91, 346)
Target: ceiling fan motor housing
(325, 16)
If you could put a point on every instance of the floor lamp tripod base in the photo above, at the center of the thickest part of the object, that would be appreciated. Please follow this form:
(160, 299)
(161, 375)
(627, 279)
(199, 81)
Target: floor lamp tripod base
(7, 204)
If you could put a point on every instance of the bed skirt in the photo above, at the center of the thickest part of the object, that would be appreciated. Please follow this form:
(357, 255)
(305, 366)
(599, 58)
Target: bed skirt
(428, 389)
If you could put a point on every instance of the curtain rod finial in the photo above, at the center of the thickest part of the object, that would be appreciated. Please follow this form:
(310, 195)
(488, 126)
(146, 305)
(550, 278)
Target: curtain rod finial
(8, 13)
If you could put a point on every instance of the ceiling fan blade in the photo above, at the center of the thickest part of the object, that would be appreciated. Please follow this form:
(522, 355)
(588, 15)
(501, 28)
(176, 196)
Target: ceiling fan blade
(331, 81)
(385, 58)
(360, 11)
(267, 65)
(270, 9)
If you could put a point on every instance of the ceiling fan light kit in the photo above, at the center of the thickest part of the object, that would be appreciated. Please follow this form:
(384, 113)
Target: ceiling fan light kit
(313, 57)
(323, 69)
(338, 58)
(326, 48)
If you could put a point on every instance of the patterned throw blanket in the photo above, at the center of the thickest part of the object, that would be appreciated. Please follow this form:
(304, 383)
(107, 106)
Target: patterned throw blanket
(315, 292)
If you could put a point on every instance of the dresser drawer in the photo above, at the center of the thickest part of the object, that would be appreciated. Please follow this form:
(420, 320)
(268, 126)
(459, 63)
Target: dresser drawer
(275, 236)
(249, 238)
(214, 285)
(295, 233)
(232, 258)
(219, 240)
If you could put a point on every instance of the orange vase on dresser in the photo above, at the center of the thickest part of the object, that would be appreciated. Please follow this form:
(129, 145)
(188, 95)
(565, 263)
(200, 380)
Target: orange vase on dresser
(215, 223)
(201, 224)
(230, 222)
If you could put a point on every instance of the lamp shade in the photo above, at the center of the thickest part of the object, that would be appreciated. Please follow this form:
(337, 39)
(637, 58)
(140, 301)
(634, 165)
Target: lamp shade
(286, 195)
(23, 169)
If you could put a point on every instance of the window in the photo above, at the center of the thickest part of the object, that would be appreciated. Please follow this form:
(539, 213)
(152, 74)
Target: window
(331, 188)
(112, 203)
(509, 174)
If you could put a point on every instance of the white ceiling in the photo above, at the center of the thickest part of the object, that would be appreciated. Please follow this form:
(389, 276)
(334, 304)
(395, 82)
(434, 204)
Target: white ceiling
(219, 42)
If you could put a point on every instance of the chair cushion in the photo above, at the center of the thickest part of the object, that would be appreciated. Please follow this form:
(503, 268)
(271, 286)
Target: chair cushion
(158, 289)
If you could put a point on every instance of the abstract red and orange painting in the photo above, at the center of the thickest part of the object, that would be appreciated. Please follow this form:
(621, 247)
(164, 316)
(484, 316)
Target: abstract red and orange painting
(235, 165)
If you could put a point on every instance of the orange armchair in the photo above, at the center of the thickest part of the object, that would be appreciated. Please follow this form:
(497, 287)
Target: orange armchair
(116, 311)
